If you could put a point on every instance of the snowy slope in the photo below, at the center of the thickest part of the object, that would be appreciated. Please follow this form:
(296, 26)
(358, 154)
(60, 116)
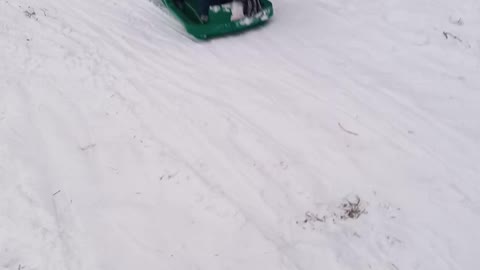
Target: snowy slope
(126, 145)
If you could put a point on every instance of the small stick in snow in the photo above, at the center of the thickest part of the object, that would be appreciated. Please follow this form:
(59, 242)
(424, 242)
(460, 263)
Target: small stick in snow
(448, 34)
(346, 130)
(85, 148)
(458, 22)
(56, 192)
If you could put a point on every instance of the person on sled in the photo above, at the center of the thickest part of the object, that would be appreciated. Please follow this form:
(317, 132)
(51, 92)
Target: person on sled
(250, 7)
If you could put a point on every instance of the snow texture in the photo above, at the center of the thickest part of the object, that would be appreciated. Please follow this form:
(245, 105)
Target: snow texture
(342, 135)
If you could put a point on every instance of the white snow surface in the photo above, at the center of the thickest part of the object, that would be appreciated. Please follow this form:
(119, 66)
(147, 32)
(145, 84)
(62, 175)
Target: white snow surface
(125, 144)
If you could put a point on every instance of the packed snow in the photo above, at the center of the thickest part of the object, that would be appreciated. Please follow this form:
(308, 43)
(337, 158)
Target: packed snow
(344, 134)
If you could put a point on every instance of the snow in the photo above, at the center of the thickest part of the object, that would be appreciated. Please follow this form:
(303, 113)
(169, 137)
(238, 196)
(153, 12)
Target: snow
(124, 144)
(215, 9)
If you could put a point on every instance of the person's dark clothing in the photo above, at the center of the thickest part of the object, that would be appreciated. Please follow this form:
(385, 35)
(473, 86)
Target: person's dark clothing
(250, 7)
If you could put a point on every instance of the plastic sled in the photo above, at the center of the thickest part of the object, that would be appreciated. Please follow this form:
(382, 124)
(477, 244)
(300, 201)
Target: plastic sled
(224, 19)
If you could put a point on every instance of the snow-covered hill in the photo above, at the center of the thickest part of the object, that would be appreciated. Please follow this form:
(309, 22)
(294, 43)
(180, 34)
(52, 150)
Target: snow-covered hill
(343, 135)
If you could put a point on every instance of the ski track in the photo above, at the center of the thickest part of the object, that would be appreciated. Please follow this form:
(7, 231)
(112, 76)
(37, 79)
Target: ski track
(125, 144)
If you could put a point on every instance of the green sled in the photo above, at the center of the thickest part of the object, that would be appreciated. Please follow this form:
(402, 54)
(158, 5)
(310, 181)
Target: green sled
(220, 19)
